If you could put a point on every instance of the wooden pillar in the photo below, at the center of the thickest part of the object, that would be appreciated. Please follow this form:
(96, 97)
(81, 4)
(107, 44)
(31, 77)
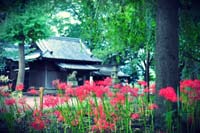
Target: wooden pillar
(41, 90)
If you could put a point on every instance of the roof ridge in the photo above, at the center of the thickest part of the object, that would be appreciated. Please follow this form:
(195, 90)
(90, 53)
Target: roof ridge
(65, 38)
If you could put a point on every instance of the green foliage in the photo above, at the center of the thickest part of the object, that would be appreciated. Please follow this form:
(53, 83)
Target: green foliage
(189, 44)
(114, 30)
(26, 24)
(115, 26)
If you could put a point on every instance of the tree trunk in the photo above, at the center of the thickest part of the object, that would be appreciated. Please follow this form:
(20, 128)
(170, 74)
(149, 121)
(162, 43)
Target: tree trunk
(21, 65)
(166, 52)
(147, 65)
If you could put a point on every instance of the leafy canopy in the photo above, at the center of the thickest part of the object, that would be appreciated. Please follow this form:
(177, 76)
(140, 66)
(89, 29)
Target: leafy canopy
(26, 23)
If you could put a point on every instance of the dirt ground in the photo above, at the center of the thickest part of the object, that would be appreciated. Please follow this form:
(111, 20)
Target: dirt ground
(30, 100)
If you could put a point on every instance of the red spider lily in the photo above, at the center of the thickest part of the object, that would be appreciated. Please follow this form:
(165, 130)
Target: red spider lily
(100, 120)
(89, 87)
(91, 102)
(51, 101)
(33, 91)
(89, 83)
(57, 113)
(69, 91)
(128, 89)
(191, 88)
(142, 83)
(134, 92)
(106, 82)
(153, 106)
(64, 99)
(62, 86)
(146, 90)
(125, 89)
(151, 90)
(110, 94)
(196, 84)
(4, 94)
(99, 112)
(193, 84)
(194, 95)
(118, 99)
(81, 92)
(19, 87)
(38, 124)
(135, 116)
(99, 91)
(168, 93)
(10, 101)
(153, 86)
(102, 124)
(37, 113)
(117, 86)
(186, 84)
(59, 116)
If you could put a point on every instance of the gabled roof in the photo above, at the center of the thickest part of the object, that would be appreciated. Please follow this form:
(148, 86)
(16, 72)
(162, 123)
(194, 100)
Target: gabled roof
(63, 48)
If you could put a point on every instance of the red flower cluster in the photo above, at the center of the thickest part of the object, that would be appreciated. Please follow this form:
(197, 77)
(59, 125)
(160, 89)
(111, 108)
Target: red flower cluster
(81, 92)
(142, 83)
(191, 88)
(150, 90)
(62, 86)
(129, 90)
(59, 116)
(118, 99)
(33, 91)
(59, 85)
(50, 101)
(38, 123)
(135, 116)
(194, 84)
(153, 106)
(20, 87)
(3, 93)
(117, 86)
(100, 120)
(106, 82)
(168, 93)
(102, 124)
(10, 101)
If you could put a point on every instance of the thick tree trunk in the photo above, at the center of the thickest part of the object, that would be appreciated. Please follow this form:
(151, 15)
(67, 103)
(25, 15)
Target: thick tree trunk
(21, 65)
(166, 52)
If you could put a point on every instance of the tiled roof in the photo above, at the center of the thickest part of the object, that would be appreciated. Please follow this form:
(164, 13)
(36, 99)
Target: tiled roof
(65, 48)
